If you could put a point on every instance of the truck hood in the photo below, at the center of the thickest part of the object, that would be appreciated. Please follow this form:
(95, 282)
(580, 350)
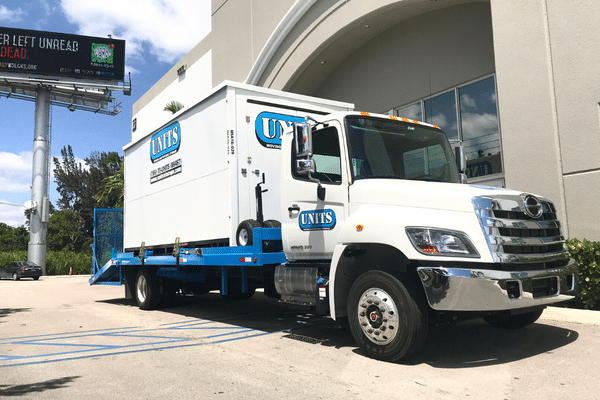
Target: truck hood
(420, 194)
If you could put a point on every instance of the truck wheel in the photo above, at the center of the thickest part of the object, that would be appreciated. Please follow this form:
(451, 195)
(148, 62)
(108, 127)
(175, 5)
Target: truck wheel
(243, 236)
(272, 246)
(169, 291)
(235, 293)
(147, 290)
(388, 317)
(518, 321)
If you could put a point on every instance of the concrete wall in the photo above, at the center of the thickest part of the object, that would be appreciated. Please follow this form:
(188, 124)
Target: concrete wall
(548, 91)
(424, 55)
(381, 54)
(239, 30)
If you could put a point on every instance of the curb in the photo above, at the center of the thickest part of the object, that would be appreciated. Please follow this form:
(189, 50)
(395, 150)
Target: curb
(576, 316)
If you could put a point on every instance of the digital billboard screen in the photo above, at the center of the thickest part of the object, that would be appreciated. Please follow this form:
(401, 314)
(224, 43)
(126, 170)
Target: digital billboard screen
(38, 53)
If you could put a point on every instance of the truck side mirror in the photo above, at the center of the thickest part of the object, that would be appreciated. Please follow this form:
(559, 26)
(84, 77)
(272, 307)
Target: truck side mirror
(461, 163)
(305, 166)
(302, 139)
(461, 160)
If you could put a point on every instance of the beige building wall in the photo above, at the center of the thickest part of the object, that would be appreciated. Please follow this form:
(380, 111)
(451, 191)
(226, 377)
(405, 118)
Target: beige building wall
(547, 62)
(381, 54)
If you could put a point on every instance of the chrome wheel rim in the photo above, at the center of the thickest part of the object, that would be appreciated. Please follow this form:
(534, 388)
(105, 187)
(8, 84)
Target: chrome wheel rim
(142, 288)
(378, 316)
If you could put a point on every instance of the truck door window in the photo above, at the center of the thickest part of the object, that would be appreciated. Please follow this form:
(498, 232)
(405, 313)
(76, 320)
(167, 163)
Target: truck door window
(326, 154)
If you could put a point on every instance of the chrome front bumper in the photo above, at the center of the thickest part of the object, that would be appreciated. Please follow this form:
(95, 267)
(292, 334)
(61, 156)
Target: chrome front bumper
(466, 289)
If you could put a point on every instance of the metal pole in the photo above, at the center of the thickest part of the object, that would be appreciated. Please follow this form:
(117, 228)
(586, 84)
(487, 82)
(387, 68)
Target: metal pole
(39, 181)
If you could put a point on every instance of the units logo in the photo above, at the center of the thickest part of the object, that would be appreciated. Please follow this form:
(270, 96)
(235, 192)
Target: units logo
(317, 220)
(165, 142)
(270, 126)
(103, 53)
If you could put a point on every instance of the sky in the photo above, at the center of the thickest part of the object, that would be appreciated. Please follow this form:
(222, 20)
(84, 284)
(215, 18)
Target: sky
(157, 34)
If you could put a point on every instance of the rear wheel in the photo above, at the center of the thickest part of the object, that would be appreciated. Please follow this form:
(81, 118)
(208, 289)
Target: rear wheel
(15, 277)
(518, 321)
(388, 317)
(147, 290)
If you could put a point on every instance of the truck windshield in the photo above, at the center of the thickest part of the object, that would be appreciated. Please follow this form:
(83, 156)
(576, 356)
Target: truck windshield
(393, 149)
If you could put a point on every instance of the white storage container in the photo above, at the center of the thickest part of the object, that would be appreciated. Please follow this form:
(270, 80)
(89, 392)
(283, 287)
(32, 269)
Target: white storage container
(194, 177)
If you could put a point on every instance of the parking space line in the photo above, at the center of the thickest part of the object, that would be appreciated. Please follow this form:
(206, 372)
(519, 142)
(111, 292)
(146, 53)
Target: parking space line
(98, 349)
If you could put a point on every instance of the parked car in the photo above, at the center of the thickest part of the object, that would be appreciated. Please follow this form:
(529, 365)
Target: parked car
(21, 269)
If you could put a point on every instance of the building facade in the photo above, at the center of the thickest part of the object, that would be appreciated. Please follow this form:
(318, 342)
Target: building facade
(517, 83)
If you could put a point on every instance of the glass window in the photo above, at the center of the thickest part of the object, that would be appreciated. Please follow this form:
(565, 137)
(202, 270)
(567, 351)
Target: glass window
(480, 128)
(441, 111)
(326, 155)
(386, 149)
(477, 126)
(411, 112)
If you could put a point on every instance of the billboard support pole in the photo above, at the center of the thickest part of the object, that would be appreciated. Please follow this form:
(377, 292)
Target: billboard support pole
(36, 251)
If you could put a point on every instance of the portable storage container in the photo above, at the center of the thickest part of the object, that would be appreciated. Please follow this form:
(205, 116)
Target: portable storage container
(195, 176)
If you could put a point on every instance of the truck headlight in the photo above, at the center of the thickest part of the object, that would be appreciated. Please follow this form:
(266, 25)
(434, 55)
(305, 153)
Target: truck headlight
(441, 242)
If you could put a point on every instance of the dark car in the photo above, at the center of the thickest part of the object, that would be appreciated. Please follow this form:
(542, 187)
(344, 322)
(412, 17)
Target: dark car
(21, 269)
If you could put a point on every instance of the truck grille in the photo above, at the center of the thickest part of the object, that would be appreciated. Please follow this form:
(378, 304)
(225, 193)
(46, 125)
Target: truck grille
(518, 236)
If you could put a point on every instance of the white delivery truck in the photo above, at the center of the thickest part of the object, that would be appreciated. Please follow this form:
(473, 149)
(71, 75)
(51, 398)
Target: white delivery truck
(360, 216)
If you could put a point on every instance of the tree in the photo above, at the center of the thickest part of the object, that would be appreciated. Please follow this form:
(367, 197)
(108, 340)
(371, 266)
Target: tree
(78, 185)
(13, 239)
(112, 189)
(66, 231)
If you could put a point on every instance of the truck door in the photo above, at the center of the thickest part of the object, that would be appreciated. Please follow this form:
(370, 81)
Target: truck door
(311, 226)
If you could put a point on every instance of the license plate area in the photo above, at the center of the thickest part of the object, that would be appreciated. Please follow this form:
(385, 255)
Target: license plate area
(544, 287)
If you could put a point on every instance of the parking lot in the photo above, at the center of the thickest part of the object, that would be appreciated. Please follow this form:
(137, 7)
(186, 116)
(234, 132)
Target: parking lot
(61, 338)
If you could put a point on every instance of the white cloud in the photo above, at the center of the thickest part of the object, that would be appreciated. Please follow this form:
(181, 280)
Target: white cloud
(475, 125)
(15, 171)
(12, 214)
(440, 120)
(14, 15)
(171, 29)
(468, 101)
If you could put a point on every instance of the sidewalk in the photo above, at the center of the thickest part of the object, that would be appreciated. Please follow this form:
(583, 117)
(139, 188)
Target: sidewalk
(571, 315)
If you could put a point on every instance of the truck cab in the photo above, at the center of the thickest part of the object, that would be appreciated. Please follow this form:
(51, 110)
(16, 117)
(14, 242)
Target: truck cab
(373, 208)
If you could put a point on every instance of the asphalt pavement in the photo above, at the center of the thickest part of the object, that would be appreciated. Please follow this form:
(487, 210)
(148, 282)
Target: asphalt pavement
(61, 338)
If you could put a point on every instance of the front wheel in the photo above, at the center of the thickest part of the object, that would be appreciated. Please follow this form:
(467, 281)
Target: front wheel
(388, 316)
(518, 321)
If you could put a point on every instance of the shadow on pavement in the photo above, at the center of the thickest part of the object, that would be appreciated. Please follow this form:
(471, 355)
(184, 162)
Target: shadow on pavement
(38, 387)
(7, 311)
(461, 345)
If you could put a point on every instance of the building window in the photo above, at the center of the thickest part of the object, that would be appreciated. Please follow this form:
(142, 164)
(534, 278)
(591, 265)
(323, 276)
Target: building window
(468, 114)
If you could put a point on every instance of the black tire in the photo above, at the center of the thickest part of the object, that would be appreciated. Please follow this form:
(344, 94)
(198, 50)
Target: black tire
(388, 316)
(272, 246)
(234, 292)
(271, 223)
(506, 321)
(15, 277)
(169, 291)
(147, 290)
(243, 235)
(35, 278)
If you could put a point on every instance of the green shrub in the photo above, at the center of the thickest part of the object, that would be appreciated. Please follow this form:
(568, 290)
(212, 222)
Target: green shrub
(61, 262)
(587, 256)
(10, 256)
(57, 262)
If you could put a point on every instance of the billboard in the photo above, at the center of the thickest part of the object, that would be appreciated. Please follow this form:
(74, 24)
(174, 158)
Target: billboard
(58, 55)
